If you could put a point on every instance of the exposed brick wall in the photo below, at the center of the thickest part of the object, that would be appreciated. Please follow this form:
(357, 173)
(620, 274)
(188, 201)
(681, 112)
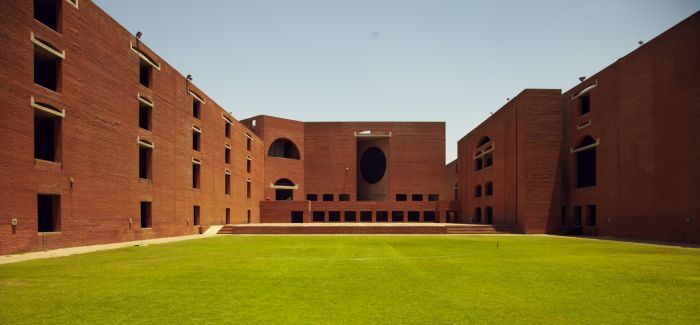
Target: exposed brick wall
(644, 111)
(99, 150)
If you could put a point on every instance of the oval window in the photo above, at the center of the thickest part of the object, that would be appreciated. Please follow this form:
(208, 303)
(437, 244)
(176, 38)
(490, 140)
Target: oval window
(373, 165)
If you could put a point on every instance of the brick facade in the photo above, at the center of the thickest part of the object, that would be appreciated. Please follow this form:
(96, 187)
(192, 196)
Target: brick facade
(640, 118)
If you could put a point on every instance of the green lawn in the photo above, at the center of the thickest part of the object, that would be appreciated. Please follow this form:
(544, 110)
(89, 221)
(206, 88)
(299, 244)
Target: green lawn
(360, 279)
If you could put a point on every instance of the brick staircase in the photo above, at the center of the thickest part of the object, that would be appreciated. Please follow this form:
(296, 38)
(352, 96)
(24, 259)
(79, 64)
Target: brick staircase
(478, 229)
(341, 228)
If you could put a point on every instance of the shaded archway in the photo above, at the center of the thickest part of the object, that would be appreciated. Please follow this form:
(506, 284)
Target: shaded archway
(283, 148)
(484, 140)
(585, 161)
(284, 190)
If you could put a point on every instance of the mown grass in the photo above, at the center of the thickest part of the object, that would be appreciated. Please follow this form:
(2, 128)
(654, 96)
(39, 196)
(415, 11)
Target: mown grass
(360, 279)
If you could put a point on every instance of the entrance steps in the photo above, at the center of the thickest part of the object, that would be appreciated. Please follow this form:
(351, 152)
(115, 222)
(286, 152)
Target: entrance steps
(363, 228)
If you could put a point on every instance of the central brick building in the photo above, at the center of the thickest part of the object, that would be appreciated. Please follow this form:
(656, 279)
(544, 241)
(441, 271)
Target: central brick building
(352, 171)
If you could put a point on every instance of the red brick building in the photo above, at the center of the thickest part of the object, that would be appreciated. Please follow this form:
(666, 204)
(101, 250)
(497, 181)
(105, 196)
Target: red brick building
(617, 155)
(106, 142)
(352, 171)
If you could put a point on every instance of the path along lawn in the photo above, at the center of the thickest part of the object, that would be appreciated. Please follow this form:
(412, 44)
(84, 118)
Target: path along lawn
(360, 279)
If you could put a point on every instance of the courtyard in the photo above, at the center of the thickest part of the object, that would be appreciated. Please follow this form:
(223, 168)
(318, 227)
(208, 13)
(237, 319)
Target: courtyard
(360, 279)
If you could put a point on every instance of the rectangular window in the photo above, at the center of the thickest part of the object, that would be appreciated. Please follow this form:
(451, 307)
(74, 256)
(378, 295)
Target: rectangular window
(564, 216)
(396, 216)
(145, 72)
(227, 184)
(48, 213)
(227, 130)
(227, 155)
(488, 159)
(248, 142)
(195, 216)
(248, 216)
(591, 216)
(196, 139)
(47, 135)
(196, 108)
(328, 197)
(248, 165)
(334, 216)
(429, 216)
(365, 216)
(477, 191)
(47, 66)
(228, 216)
(144, 115)
(382, 216)
(344, 197)
(351, 216)
(297, 216)
(417, 197)
(48, 12)
(145, 160)
(488, 188)
(196, 170)
(318, 216)
(248, 189)
(311, 197)
(146, 214)
(577, 216)
(585, 104)
(433, 197)
(401, 197)
(478, 164)
(413, 216)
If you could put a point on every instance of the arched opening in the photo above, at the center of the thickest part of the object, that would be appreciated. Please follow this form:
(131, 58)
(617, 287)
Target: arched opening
(477, 190)
(484, 157)
(488, 216)
(484, 140)
(477, 215)
(284, 190)
(373, 165)
(585, 161)
(283, 148)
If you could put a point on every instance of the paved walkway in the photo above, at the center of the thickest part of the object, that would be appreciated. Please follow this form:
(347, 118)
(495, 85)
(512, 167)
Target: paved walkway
(6, 259)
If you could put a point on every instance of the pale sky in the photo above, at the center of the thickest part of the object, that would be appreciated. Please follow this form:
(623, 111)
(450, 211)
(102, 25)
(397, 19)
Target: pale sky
(373, 60)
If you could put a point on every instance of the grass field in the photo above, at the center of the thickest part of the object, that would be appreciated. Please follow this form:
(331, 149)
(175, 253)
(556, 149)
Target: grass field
(360, 279)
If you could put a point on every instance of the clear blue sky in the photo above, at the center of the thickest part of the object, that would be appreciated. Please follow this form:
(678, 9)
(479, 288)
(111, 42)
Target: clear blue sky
(367, 60)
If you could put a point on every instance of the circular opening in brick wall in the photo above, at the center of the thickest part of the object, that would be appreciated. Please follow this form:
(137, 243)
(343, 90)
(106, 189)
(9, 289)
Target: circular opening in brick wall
(373, 165)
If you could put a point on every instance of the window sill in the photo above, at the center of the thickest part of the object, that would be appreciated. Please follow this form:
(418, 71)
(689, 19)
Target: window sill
(145, 180)
(148, 228)
(42, 161)
(49, 233)
(586, 188)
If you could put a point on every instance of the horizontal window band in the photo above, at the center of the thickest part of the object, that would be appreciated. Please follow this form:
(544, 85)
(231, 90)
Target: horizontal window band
(583, 125)
(47, 108)
(73, 3)
(144, 56)
(197, 97)
(145, 143)
(145, 100)
(47, 47)
(590, 146)
(585, 90)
